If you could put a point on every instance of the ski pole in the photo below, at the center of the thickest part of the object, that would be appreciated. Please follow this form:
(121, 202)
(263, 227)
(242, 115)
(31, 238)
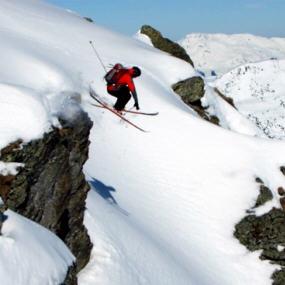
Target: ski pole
(97, 54)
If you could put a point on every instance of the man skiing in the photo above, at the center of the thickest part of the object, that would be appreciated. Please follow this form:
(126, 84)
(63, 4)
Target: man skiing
(120, 85)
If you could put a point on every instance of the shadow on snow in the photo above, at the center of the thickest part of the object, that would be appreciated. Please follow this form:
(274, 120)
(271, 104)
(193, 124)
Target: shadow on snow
(105, 192)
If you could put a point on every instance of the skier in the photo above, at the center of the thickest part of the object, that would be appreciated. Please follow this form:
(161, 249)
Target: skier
(120, 85)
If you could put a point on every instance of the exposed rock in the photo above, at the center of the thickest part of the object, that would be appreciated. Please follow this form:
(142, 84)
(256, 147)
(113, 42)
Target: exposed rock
(282, 202)
(264, 196)
(279, 277)
(282, 169)
(191, 90)
(71, 277)
(5, 185)
(11, 147)
(165, 44)
(258, 180)
(265, 233)
(88, 19)
(281, 191)
(226, 98)
(51, 189)
(2, 216)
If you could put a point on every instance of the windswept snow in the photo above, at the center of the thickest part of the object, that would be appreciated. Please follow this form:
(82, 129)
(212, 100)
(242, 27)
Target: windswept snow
(222, 53)
(163, 204)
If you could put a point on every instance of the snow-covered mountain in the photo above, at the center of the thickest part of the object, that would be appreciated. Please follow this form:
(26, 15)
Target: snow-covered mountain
(258, 91)
(163, 204)
(222, 53)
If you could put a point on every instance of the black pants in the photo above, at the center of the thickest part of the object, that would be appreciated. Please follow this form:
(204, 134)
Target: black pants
(123, 97)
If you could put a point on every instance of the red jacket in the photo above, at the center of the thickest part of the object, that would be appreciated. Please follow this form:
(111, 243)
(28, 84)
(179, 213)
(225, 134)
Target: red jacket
(124, 79)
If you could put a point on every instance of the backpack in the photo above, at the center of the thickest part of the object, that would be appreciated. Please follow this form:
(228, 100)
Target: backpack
(113, 75)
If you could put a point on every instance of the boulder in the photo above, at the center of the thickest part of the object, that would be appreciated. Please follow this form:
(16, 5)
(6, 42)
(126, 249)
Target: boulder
(165, 44)
(190, 90)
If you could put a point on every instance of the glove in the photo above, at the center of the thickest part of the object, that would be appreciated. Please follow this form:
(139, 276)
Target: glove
(137, 106)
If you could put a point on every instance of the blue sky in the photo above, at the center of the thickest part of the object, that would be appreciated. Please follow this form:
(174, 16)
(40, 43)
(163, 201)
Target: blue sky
(176, 18)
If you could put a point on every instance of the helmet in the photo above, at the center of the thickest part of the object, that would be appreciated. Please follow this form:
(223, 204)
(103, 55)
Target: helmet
(136, 71)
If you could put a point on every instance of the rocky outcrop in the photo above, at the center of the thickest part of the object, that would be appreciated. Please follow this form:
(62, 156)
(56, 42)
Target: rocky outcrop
(165, 44)
(265, 233)
(51, 189)
(88, 19)
(191, 91)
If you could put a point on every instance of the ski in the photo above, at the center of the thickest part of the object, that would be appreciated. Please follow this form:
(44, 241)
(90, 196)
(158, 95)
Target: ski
(104, 105)
(130, 111)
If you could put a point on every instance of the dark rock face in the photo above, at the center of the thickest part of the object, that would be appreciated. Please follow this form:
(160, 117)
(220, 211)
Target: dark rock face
(264, 196)
(51, 189)
(2, 216)
(227, 99)
(190, 90)
(88, 19)
(165, 44)
(265, 233)
(71, 276)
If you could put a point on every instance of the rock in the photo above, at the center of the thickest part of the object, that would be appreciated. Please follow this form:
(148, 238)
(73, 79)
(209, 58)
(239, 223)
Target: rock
(88, 19)
(282, 202)
(71, 277)
(279, 277)
(281, 191)
(165, 44)
(5, 185)
(265, 233)
(2, 216)
(191, 90)
(226, 98)
(282, 169)
(51, 189)
(264, 196)
(11, 147)
(259, 180)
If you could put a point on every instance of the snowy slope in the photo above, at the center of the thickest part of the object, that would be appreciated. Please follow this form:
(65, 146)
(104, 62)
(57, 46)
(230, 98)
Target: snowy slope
(30, 254)
(222, 53)
(163, 204)
(258, 91)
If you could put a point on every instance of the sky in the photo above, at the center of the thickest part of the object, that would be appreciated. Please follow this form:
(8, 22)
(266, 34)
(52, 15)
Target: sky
(177, 18)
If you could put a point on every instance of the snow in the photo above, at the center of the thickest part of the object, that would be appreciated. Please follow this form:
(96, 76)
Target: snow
(30, 254)
(144, 38)
(229, 117)
(23, 114)
(10, 168)
(163, 204)
(280, 248)
(258, 91)
(222, 53)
